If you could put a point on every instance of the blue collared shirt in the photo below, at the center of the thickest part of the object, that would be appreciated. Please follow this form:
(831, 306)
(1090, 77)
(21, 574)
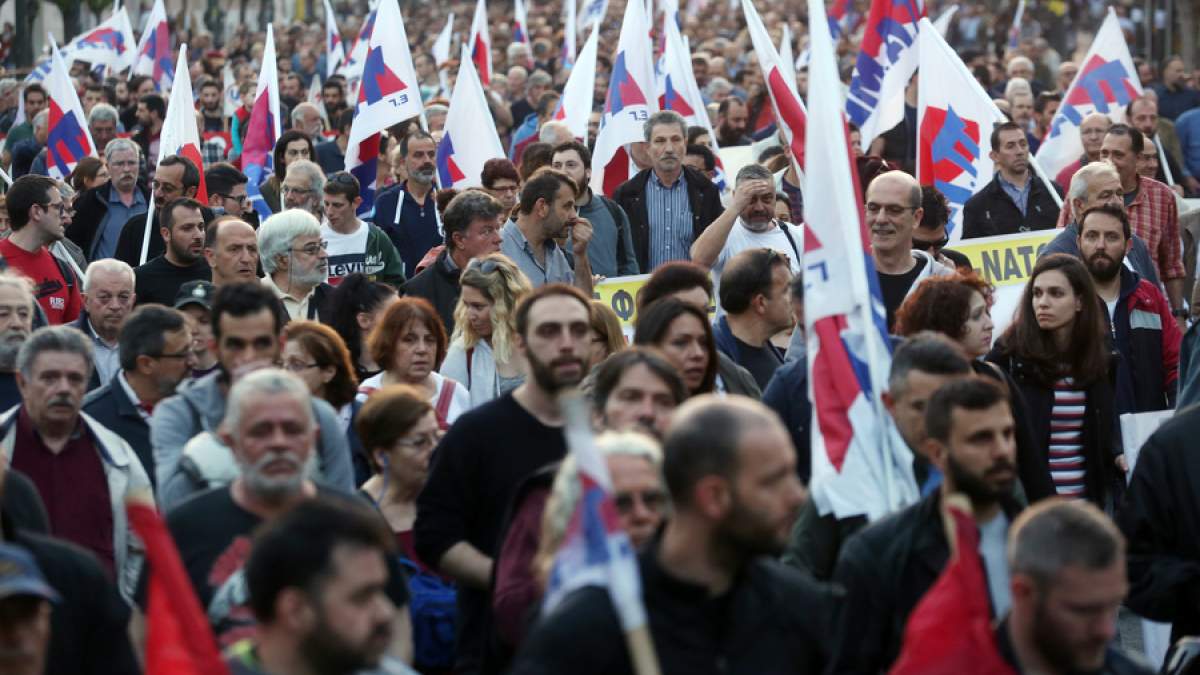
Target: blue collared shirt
(669, 217)
(514, 245)
(104, 244)
(1019, 195)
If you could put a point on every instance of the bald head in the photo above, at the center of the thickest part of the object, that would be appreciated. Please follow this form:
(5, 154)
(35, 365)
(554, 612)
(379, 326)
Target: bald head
(1091, 131)
(231, 249)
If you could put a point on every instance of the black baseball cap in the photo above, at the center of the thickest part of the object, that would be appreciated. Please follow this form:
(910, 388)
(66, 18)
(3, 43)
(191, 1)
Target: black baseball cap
(197, 292)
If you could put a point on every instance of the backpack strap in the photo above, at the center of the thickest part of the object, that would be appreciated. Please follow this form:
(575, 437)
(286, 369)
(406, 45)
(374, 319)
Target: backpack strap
(791, 240)
(445, 396)
(470, 354)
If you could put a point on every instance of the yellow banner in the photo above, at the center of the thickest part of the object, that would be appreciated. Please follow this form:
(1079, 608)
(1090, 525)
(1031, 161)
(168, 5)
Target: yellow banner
(620, 293)
(1006, 260)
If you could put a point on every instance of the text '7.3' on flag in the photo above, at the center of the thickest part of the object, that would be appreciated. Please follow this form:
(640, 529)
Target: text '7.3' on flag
(387, 95)
(789, 109)
(68, 139)
(955, 117)
(470, 138)
(629, 103)
(861, 466)
(263, 129)
(887, 59)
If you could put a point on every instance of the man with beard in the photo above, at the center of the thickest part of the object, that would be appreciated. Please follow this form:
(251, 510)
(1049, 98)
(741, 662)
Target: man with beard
(1068, 582)
(182, 228)
(316, 580)
(17, 307)
(413, 226)
(610, 252)
(355, 246)
(174, 177)
(101, 212)
(271, 431)
(246, 324)
(155, 357)
(108, 299)
(333, 96)
(151, 113)
(35, 213)
(301, 189)
(887, 566)
(546, 213)
(1139, 318)
(1015, 200)
(83, 471)
(732, 118)
(748, 222)
(1142, 114)
(731, 472)
(212, 106)
(492, 449)
(294, 258)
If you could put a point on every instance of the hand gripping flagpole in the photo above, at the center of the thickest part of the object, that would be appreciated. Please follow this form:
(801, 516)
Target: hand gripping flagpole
(626, 598)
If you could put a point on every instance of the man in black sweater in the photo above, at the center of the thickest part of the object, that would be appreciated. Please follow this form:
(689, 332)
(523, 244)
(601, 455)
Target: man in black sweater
(490, 451)
(182, 230)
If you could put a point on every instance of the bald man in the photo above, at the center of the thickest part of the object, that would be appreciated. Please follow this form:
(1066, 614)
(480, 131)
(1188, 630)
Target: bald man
(1091, 131)
(231, 249)
(893, 209)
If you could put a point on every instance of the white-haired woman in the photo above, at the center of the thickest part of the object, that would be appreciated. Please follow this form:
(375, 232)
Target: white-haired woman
(482, 352)
(543, 508)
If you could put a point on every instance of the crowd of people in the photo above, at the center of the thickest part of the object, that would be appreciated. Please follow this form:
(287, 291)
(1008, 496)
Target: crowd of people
(353, 423)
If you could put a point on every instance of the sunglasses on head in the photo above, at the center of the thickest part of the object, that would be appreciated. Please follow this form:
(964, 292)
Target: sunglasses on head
(929, 246)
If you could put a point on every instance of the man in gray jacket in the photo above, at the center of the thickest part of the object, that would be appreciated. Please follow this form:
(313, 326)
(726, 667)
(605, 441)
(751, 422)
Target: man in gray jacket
(188, 456)
(611, 250)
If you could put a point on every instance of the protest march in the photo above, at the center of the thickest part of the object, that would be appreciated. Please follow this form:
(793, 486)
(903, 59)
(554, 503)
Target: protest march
(481, 337)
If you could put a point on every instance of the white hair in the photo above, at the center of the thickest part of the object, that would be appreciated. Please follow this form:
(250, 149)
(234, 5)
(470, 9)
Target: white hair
(1084, 176)
(42, 119)
(262, 383)
(118, 144)
(111, 265)
(553, 130)
(300, 109)
(1018, 60)
(276, 234)
(1017, 85)
(316, 177)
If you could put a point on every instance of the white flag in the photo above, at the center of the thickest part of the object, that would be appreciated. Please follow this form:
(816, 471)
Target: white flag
(470, 138)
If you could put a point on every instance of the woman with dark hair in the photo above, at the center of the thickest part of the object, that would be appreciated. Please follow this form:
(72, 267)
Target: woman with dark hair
(1056, 352)
(358, 303)
(680, 279)
(410, 343)
(682, 333)
(292, 145)
(89, 173)
(959, 307)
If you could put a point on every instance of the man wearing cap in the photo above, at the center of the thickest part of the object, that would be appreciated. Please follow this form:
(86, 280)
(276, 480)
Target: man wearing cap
(25, 599)
(155, 356)
(195, 301)
(182, 229)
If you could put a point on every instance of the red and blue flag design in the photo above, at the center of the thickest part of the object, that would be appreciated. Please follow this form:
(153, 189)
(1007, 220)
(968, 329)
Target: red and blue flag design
(67, 137)
(154, 50)
(262, 130)
(886, 61)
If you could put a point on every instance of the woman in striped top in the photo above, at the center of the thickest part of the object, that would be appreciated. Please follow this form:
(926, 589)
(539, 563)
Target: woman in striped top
(1056, 351)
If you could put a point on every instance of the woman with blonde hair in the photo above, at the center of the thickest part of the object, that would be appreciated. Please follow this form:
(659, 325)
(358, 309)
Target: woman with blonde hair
(483, 354)
(607, 336)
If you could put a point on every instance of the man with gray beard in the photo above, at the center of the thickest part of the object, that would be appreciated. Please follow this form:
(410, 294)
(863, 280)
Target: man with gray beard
(296, 262)
(270, 428)
(16, 322)
(408, 211)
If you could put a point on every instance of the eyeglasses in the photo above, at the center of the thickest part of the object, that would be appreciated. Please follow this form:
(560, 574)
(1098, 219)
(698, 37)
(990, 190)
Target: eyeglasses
(482, 266)
(893, 210)
(241, 199)
(653, 500)
(60, 205)
(299, 366)
(288, 189)
(929, 246)
(419, 443)
(314, 248)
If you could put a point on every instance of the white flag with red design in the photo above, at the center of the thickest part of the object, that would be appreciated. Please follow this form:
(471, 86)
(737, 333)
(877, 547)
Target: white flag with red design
(335, 50)
(678, 91)
(179, 133)
(481, 43)
(790, 114)
(575, 106)
(470, 138)
(68, 139)
(629, 102)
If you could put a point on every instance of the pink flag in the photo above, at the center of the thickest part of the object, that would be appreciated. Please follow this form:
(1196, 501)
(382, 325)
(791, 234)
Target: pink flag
(262, 130)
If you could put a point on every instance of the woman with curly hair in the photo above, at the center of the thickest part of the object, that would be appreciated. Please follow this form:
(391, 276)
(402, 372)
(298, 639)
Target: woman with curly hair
(482, 352)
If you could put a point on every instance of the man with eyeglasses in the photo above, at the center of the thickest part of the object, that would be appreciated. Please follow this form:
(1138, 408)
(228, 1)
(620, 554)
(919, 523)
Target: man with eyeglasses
(893, 210)
(101, 212)
(355, 246)
(155, 356)
(108, 299)
(294, 258)
(35, 212)
(182, 228)
(472, 221)
(1015, 200)
(174, 177)
(227, 191)
(301, 188)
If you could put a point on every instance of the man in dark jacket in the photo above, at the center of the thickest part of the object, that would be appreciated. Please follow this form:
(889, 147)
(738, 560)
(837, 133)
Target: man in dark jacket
(101, 212)
(472, 222)
(175, 176)
(156, 356)
(1015, 200)
(715, 598)
(887, 567)
(669, 204)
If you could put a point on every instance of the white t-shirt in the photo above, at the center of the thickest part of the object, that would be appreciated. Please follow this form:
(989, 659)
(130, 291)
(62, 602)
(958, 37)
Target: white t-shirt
(347, 252)
(741, 239)
(460, 402)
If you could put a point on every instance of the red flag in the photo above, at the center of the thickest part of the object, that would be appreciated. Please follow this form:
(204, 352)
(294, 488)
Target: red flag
(179, 640)
(950, 629)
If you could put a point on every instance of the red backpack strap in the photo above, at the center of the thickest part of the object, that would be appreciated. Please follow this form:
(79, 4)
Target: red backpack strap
(445, 396)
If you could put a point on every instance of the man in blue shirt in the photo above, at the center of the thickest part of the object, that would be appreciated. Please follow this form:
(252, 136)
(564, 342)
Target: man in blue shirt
(1174, 96)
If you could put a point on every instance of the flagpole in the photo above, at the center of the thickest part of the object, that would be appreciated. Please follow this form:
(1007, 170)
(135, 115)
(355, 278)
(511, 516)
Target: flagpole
(146, 234)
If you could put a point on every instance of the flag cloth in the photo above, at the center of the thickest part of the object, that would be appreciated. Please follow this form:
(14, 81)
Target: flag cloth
(232, 97)
(575, 106)
(627, 106)
(789, 110)
(481, 43)
(68, 139)
(263, 129)
(520, 23)
(950, 629)
(110, 44)
(352, 66)
(677, 89)
(861, 466)
(1106, 83)
(942, 24)
(886, 62)
(593, 12)
(955, 117)
(838, 16)
(441, 46)
(570, 36)
(1014, 31)
(470, 137)
(335, 51)
(595, 550)
(179, 639)
(179, 133)
(387, 96)
(786, 60)
(154, 50)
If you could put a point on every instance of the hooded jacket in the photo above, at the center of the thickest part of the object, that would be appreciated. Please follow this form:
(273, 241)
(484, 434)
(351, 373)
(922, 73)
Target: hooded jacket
(1147, 338)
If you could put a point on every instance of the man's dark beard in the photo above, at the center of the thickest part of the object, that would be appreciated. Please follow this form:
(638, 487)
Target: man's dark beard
(742, 533)
(975, 487)
(1104, 273)
(182, 255)
(1050, 645)
(543, 373)
(326, 653)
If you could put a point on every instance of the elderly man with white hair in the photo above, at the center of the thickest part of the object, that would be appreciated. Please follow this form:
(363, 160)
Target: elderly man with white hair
(302, 187)
(101, 212)
(108, 298)
(306, 118)
(555, 132)
(296, 264)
